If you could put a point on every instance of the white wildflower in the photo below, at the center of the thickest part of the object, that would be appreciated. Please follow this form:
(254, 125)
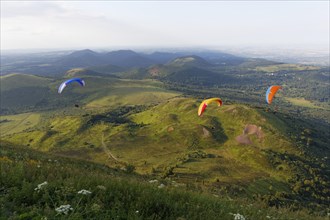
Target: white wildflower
(84, 192)
(40, 186)
(64, 209)
(153, 181)
(161, 186)
(238, 217)
(137, 211)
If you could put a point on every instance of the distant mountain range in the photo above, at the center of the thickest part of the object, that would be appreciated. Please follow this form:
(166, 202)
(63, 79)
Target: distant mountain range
(118, 60)
(129, 58)
(87, 58)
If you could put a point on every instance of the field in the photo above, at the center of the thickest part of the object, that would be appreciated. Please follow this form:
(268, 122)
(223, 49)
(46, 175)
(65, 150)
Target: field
(303, 102)
(18, 123)
(132, 93)
(287, 67)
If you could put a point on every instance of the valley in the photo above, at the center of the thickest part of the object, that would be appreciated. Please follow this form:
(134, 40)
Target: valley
(137, 123)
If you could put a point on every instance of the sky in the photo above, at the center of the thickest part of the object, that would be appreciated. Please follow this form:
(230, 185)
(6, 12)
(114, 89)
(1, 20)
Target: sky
(138, 24)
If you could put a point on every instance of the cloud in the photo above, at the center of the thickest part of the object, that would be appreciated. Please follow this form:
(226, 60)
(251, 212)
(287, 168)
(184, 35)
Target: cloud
(32, 24)
(47, 25)
(10, 9)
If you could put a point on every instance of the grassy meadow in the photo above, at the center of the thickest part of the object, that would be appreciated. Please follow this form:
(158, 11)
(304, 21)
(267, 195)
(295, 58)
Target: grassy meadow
(303, 103)
(17, 123)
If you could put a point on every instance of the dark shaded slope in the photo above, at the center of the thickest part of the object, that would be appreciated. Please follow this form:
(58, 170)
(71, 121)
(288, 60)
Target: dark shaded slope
(82, 58)
(162, 57)
(198, 76)
(127, 58)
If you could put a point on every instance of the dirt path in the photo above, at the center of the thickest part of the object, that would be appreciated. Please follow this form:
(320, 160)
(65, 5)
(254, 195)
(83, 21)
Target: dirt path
(107, 151)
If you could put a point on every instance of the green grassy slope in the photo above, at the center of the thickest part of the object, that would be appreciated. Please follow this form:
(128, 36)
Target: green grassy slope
(169, 140)
(23, 93)
(139, 125)
(34, 185)
(14, 81)
(18, 123)
(204, 147)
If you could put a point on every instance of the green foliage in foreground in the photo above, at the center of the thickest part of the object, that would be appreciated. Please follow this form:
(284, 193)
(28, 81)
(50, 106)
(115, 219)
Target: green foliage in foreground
(114, 194)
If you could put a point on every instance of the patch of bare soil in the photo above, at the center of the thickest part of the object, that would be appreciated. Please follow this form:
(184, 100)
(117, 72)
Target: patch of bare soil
(250, 129)
(206, 133)
(244, 139)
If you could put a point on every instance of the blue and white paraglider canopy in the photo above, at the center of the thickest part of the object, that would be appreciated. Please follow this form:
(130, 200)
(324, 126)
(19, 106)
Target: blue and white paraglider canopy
(65, 83)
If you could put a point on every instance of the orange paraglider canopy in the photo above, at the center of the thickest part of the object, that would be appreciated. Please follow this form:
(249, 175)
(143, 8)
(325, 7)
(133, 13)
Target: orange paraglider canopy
(271, 91)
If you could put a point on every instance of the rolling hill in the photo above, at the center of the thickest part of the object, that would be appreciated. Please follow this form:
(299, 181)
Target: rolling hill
(22, 93)
(81, 72)
(162, 57)
(220, 58)
(130, 125)
(137, 123)
(199, 77)
(128, 58)
(89, 58)
(15, 81)
(82, 58)
(189, 61)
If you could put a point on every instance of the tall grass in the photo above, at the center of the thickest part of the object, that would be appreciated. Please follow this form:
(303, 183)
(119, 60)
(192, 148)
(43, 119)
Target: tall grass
(39, 186)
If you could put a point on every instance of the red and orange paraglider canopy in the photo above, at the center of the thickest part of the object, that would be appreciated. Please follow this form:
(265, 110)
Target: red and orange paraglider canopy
(206, 102)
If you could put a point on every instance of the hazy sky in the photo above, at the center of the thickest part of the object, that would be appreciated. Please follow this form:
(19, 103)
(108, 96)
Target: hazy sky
(116, 24)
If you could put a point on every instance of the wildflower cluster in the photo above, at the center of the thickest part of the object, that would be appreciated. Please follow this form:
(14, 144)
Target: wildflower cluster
(238, 217)
(40, 186)
(64, 209)
(84, 192)
(153, 181)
